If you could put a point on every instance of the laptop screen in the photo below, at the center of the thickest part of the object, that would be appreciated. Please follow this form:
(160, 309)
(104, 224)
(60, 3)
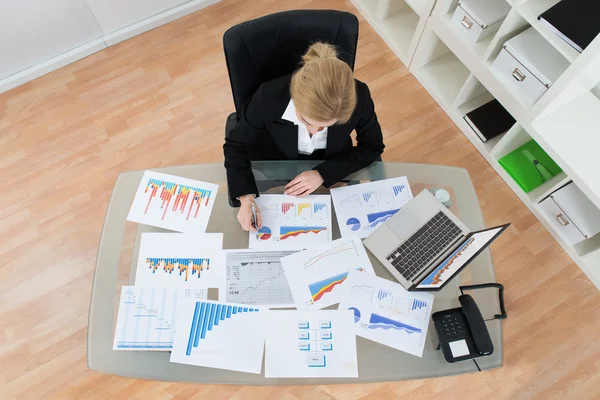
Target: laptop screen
(461, 256)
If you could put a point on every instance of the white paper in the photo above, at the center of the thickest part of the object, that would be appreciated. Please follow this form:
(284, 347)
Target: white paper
(459, 348)
(387, 313)
(317, 277)
(360, 209)
(220, 335)
(172, 202)
(147, 317)
(310, 344)
(180, 260)
(293, 223)
(255, 277)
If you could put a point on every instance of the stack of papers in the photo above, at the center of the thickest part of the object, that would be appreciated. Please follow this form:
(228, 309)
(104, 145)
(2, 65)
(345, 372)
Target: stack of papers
(291, 262)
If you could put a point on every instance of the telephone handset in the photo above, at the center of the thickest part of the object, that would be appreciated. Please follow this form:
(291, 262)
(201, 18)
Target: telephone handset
(462, 331)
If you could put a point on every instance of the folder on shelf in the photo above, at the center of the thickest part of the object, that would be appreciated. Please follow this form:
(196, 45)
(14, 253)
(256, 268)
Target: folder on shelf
(574, 21)
(489, 120)
(529, 166)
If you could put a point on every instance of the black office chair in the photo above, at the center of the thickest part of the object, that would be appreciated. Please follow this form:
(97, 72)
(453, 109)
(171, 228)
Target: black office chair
(269, 47)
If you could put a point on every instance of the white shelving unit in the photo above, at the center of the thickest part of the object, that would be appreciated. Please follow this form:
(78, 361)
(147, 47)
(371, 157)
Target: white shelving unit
(565, 122)
(399, 22)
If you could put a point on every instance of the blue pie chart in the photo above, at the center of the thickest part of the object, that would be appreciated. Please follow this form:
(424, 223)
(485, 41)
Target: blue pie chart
(356, 314)
(353, 224)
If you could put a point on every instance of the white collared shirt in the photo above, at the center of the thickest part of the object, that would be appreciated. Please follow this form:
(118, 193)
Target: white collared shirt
(306, 144)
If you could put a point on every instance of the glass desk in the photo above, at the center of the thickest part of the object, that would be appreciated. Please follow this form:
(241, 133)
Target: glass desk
(117, 260)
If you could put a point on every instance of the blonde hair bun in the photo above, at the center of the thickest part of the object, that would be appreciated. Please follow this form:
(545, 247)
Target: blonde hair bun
(323, 89)
(319, 50)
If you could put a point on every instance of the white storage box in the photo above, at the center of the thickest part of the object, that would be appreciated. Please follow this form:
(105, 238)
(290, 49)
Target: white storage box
(529, 65)
(477, 19)
(572, 214)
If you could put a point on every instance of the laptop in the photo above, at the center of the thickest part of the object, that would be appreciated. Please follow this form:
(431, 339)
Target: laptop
(424, 245)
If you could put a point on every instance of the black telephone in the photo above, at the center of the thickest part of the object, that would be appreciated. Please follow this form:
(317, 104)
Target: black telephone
(462, 331)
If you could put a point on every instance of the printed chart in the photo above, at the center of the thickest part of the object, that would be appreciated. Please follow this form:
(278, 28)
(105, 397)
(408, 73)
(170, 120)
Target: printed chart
(303, 344)
(146, 318)
(388, 314)
(179, 260)
(255, 277)
(293, 223)
(219, 335)
(316, 277)
(172, 202)
(362, 208)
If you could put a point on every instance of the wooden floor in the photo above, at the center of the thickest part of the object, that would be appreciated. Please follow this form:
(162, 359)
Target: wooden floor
(161, 99)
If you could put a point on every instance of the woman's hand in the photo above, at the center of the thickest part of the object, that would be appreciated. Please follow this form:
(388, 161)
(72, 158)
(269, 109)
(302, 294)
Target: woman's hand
(244, 216)
(304, 184)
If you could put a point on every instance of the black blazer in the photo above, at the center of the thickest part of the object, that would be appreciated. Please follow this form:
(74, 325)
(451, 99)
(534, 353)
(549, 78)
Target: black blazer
(261, 128)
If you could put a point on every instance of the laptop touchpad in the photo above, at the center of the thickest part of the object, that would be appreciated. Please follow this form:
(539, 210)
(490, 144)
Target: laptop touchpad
(404, 224)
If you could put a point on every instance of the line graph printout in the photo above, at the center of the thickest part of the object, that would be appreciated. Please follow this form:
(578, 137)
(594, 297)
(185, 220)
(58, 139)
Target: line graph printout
(310, 344)
(317, 277)
(179, 260)
(220, 335)
(386, 313)
(147, 317)
(293, 223)
(172, 202)
(255, 277)
(360, 209)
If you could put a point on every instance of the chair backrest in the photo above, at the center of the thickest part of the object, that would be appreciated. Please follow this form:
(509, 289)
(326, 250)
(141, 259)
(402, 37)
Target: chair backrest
(268, 47)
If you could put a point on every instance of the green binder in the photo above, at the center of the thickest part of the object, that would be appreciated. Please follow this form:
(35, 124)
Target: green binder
(529, 166)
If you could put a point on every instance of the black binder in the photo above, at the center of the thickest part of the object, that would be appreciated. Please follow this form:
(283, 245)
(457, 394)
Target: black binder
(575, 21)
(490, 120)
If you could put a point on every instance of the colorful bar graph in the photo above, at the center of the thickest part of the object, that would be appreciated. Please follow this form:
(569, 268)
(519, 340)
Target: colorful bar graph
(285, 207)
(184, 265)
(318, 207)
(418, 304)
(207, 317)
(302, 206)
(398, 189)
(183, 194)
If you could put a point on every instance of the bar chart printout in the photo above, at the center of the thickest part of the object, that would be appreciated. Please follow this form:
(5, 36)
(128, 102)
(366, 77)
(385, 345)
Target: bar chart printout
(147, 317)
(292, 223)
(317, 277)
(220, 335)
(386, 313)
(180, 260)
(172, 202)
(360, 209)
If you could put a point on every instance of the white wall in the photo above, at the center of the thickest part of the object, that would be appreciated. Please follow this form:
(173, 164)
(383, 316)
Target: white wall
(33, 31)
(113, 15)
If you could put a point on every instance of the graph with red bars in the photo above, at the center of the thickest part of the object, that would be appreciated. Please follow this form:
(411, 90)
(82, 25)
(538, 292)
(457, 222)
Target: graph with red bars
(285, 207)
(176, 198)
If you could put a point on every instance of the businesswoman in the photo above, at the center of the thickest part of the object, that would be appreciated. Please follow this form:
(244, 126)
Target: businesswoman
(306, 115)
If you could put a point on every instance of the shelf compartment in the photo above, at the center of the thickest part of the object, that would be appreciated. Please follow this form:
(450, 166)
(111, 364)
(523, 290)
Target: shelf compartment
(530, 10)
(439, 70)
(469, 106)
(398, 24)
(571, 137)
(477, 48)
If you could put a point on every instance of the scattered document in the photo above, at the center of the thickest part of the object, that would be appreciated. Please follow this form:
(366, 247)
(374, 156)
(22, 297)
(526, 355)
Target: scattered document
(147, 317)
(387, 313)
(311, 344)
(180, 260)
(255, 277)
(360, 209)
(220, 335)
(174, 203)
(293, 223)
(317, 277)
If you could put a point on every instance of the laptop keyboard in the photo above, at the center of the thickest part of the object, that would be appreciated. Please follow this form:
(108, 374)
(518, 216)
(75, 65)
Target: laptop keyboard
(424, 245)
